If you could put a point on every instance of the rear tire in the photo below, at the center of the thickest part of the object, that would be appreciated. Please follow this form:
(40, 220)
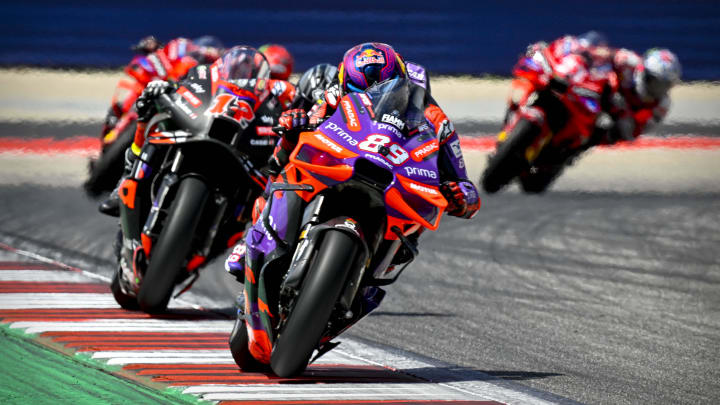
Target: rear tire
(173, 245)
(105, 172)
(320, 291)
(240, 350)
(124, 300)
(508, 161)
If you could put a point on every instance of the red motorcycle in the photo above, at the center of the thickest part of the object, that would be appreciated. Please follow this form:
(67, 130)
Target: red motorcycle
(554, 108)
(170, 62)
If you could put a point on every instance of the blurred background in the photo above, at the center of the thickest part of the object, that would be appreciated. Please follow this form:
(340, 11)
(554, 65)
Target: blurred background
(603, 290)
(459, 37)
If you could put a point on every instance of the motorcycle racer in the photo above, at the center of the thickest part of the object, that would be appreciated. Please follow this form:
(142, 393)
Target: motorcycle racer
(362, 66)
(281, 66)
(638, 97)
(268, 107)
(156, 61)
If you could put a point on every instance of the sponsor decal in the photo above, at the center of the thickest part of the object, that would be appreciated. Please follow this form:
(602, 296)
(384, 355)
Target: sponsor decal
(446, 129)
(425, 150)
(419, 76)
(266, 119)
(265, 131)
(369, 56)
(197, 88)
(157, 65)
(331, 126)
(378, 159)
(187, 95)
(365, 100)
(455, 146)
(202, 72)
(279, 88)
(349, 224)
(393, 120)
(262, 142)
(416, 171)
(351, 117)
(390, 128)
(185, 109)
(214, 73)
(423, 189)
(332, 145)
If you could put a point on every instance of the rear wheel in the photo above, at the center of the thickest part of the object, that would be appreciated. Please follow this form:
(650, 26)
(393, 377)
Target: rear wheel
(508, 161)
(173, 245)
(319, 292)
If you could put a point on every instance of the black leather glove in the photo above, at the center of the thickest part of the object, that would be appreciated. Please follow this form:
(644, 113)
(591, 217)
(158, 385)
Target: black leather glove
(145, 104)
(147, 45)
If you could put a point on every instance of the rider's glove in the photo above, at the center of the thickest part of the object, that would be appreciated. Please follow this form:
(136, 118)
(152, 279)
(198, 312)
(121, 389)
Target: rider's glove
(292, 122)
(147, 45)
(462, 197)
(145, 103)
(293, 119)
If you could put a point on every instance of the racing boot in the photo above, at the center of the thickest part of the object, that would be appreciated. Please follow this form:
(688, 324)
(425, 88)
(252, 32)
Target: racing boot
(111, 205)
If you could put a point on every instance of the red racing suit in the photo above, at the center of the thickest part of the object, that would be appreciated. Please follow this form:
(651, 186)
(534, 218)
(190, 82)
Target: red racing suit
(631, 114)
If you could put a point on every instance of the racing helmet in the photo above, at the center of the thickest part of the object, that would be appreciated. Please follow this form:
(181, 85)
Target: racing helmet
(281, 61)
(659, 71)
(206, 49)
(246, 68)
(369, 63)
(312, 85)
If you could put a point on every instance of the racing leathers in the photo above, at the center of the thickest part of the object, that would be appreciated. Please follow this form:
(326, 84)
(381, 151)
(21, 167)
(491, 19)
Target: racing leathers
(462, 196)
(629, 113)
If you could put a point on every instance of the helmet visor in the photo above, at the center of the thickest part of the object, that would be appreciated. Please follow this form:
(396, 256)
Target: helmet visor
(244, 67)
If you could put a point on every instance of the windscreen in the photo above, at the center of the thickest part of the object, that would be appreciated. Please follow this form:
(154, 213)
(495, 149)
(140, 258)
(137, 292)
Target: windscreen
(396, 97)
(244, 67)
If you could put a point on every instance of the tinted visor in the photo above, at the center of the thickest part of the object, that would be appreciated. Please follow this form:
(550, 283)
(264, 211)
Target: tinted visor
(656, 88)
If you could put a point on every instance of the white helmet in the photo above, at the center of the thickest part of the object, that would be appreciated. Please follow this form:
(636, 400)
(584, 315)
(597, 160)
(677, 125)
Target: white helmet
(660, 70)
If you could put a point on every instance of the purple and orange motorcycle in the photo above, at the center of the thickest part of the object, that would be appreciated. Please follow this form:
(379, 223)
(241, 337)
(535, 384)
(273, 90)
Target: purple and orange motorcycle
(338, 223)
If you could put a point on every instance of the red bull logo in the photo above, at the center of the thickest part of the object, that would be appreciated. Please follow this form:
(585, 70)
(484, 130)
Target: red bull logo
(369, 56)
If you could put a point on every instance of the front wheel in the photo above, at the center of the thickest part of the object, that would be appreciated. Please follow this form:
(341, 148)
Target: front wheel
(124, 300)
(508, 161)
(539, 181)
(173, 245)
(319, 292)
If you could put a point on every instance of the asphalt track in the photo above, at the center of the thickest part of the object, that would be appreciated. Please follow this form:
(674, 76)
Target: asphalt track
(601, 295)
(606, 290)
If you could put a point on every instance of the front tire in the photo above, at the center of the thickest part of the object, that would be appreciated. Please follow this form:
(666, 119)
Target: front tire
(538, 182)
(240, 350)
(173, 245)
(320, 291)
(124, 300)
(508, 161)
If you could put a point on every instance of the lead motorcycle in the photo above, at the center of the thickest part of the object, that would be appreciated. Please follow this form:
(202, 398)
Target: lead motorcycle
(554, 120)
(338, 227)
(190, 191)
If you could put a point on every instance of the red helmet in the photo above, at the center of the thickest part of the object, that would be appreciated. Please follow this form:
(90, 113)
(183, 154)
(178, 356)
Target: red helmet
(281, 62)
